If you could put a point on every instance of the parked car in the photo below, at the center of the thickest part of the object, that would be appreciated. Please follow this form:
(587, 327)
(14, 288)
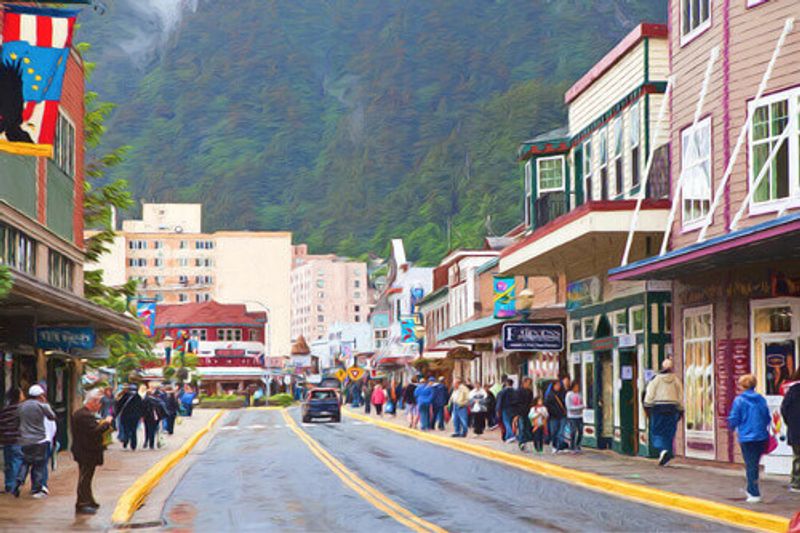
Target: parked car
(322, 403)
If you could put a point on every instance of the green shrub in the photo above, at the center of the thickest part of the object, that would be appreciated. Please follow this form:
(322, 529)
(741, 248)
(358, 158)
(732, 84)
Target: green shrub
(282, 399)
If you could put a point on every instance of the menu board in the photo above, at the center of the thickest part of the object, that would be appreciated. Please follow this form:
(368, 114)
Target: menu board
(732, 362)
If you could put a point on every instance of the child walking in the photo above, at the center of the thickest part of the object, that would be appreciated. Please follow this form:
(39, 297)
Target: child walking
(538, 417)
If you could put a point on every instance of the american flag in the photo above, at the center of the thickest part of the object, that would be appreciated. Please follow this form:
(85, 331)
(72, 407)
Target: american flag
(38, 41)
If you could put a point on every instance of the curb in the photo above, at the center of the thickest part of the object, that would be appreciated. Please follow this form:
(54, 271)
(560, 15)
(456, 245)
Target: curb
(670, 501)
(133, 498)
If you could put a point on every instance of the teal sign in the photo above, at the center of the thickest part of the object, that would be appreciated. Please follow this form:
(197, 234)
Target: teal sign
(65, 339)
(504, 297)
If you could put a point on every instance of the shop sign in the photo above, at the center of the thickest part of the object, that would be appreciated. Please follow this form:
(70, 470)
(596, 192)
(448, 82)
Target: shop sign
(627, 341)
(583, 292)
(408, 332)
(604, 344)
(65, 339)
(732, 362)
(659, 285)
(626, 373)
(533, 337)
(504, 297)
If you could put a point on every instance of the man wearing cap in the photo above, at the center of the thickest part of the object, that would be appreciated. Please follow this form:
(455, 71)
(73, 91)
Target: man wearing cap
(87, 448)
(33, 435)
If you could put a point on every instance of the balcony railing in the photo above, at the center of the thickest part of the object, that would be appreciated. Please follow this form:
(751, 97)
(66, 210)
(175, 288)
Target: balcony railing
(549, 207)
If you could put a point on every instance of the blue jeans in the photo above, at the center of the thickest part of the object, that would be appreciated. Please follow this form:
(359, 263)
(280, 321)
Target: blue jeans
(555, 428)
(508, 418)
(460, 420)
(752, 452)
(12, 460)
(663, 424)
(577, 433)
(34, 460)
(46, 473)
(425, 416)
(438, 417)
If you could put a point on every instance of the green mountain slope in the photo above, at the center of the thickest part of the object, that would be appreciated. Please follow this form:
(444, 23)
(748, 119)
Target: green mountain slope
(350, 121)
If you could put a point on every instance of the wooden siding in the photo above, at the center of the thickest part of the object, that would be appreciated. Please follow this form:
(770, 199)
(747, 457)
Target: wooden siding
(620, 80)
(658, 59)
(753, 35)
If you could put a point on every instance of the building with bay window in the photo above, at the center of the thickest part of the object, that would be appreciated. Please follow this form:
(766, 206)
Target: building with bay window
(730, 253)
(582, 183)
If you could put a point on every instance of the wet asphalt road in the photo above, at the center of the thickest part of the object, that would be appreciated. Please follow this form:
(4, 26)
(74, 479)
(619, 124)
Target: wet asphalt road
(257, 475)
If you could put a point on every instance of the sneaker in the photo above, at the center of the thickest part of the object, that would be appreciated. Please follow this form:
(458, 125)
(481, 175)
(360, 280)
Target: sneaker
(663, 458)
(39, 495)
(753, 499)
(794, 489)
(45, 490)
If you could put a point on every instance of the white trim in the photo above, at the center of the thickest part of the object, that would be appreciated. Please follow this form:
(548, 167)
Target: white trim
(587, 162)
(691, 312)
(539, 189)
(528, 192)
(707, 158)
(697, 31)
(631, 309)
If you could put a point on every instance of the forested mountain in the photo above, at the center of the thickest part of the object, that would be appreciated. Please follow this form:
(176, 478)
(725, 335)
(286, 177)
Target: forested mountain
(348, 122)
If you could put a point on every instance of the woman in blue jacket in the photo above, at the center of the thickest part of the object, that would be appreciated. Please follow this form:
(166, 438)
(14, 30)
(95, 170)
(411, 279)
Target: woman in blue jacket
(750, 417)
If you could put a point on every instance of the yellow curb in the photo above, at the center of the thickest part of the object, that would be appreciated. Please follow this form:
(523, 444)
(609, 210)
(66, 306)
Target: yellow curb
(671, 501)
(369, 493)
(134, 496)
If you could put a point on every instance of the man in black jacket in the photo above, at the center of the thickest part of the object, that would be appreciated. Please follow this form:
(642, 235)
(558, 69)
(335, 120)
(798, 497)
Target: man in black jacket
(790, 410)
(87, 448)
(557, 415)
(9, 438)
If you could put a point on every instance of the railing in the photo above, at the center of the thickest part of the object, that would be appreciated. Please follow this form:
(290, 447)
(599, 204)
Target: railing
(549, 207)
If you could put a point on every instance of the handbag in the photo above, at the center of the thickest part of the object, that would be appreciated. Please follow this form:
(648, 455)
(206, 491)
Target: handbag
(772, 444)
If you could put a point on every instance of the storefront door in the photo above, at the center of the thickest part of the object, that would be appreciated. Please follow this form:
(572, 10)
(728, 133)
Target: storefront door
(606, 402)
(58, 379)
(628, 401)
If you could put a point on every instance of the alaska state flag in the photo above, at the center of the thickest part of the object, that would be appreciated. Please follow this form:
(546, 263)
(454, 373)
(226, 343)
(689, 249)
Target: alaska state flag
(33, 59)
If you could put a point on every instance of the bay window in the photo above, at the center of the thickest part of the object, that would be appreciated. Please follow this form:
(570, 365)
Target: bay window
(550, 174)
(696, 172)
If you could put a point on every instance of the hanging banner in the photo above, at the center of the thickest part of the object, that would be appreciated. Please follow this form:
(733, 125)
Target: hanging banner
(33, 60)
(408, 331)
(504, 297)
(146, 311)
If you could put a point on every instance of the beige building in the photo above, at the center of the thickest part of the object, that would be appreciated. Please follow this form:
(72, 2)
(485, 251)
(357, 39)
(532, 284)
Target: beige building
(175, 262)
(326, 289)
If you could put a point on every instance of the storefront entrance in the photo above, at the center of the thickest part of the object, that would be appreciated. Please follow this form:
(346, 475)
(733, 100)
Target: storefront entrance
(606, 402)
(58, 383)
(628, 402)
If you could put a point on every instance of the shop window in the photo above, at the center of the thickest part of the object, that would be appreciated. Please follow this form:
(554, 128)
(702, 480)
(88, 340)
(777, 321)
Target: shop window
(17, 250)
(696, 172)
(636, 321)
(587, 170)
(588, 328)
(575, 327)
(588, 380)
(634, 134)
(699, 381)
(695, 18)
(620, 322)
(550, 174)
(775, 343)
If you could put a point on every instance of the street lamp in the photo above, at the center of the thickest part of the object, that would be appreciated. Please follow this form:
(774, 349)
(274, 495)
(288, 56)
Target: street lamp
(268, 355)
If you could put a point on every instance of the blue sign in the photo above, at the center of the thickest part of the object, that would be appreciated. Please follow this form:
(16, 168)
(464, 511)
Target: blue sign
(533, 337)
(504, 297)
(65, 339)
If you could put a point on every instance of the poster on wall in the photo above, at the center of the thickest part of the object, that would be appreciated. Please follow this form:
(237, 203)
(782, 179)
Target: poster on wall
(583, 292)
(504, 297)
(33, 59)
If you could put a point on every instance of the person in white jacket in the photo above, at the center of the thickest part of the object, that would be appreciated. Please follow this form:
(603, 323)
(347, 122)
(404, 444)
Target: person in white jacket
(575, 406)
(664, 403)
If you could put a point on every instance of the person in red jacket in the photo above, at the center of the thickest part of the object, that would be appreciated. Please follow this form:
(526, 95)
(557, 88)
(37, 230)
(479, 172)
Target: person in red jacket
(378, 399)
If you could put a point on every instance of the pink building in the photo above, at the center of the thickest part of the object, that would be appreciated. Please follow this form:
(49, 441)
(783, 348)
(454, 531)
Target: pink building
(326, 289)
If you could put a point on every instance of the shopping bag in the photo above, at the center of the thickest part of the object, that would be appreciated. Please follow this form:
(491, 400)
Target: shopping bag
(162, 440)
(772, 444)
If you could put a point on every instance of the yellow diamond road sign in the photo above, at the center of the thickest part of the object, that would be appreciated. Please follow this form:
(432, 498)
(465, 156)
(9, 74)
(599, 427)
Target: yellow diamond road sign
(355, 373)
(341, 375)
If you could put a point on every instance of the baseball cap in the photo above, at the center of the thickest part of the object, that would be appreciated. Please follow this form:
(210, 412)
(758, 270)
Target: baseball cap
(35, 391)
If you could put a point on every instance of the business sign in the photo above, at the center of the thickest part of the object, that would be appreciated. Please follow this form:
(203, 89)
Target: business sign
(408, 330)
(65, 339)
(504, 297)
(533, 337)
(146, 311)
(583, 292)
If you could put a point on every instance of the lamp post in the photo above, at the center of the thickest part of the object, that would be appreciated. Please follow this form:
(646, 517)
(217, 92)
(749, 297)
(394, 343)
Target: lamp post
(268, 346)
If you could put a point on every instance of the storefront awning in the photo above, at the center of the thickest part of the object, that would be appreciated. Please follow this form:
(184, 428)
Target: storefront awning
(774, 240)
(50, 306)
(480, 327)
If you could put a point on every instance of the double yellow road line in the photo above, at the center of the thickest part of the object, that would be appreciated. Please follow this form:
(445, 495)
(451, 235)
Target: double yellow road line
(359, 486)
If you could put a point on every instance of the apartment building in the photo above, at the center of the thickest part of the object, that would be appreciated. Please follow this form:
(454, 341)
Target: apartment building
(326, 289)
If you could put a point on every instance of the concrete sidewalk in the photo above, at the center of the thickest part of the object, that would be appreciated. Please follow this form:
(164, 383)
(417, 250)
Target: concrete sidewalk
(716, 483)
(121, 469)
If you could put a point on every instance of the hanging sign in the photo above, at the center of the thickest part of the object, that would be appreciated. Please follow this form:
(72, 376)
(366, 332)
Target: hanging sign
(504, 297)
(65, 339)
(408, 332)
(533, 337)
(355, 373)
(146, 311)
(33, 60)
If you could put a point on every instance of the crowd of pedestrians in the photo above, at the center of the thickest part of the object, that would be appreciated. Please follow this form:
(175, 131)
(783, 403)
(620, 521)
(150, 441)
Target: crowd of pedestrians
(28, 429)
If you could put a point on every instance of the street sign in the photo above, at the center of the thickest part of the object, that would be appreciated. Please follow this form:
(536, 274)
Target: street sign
(65, 339)
(340, 374)
(533, 337)
(355, 373)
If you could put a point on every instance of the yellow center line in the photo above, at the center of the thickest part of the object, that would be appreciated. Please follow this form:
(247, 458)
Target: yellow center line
(707, 509)
(360, 487)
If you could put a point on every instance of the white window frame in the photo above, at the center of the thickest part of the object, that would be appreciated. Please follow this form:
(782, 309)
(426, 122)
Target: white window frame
(689, 36)
(615, 322)
(616, 152)
(793, 199)
(66, 163)
(631, 310)
(694, 223)
(635, 139)
(528, 192)
(584, 320)
(602, 141)
(229, 334)
(572, 325)
(201, 334)
(588, 165)
(694, 312)
(539, 189)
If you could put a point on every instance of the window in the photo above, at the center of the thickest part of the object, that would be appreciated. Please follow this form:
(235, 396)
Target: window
(183, 261)
(321, 283)
(620, 323)
(137, 262)
(320, 308)
(321, 295)
(183, 297)
(770, 118)
(587, 170)
(357, 308)
(698, 357)
(159, 262)
(254, 335)
(619, 180)
(137, 245)
(356, 295)
(64, 145)
(603, 164)
(357, 318)
(184, 245)
(636, 322)
(60, 271)
(357, 284)
(320, 318)
(159, 280)
(695, 17)
(158, 245)
(575, 327)
(183, 280)
(696, 170)
(634, 134)
(229, 334)
(199, 334)
(667, 318)
(528, 192)
(588, 328)
(550, 174)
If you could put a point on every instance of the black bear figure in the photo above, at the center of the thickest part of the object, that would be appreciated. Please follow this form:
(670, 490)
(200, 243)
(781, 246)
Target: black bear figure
(11, 101)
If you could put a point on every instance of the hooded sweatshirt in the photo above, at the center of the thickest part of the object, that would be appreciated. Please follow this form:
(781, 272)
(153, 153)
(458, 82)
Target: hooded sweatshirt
(750, 416)
(664, 389)
(790, 410)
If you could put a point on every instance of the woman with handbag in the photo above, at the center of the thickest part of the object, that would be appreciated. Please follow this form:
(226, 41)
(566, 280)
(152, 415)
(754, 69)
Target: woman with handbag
(750, 418)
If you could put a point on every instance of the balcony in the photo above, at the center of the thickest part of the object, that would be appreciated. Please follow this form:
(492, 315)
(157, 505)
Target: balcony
(549, 207)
